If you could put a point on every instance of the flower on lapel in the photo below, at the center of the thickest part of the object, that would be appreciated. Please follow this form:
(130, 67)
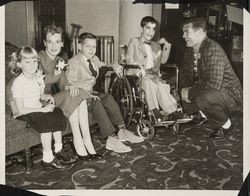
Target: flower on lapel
(40, 76)
(61, 65)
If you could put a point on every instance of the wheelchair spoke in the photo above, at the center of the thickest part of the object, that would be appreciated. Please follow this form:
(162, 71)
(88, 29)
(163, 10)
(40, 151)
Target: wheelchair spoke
(121, 91)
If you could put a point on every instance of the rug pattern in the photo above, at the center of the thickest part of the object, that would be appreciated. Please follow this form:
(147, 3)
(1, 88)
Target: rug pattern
(188, 160)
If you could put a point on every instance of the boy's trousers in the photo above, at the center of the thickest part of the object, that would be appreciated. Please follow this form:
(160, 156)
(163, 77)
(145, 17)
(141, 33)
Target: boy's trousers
(158, 94)
(107, 114)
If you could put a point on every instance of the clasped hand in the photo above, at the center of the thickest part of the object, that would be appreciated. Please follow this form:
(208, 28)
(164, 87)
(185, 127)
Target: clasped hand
(50, 103)
(166, 44)
(48, 108)
(184, 94)
(73, 91)
(118, 69)
(48, 98)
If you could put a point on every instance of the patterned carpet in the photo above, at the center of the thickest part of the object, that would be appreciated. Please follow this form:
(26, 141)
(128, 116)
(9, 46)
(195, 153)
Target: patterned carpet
(189, 160)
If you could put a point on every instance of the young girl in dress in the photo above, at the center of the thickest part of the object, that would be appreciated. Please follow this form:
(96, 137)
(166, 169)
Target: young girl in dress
(70, 99)
(28, 90)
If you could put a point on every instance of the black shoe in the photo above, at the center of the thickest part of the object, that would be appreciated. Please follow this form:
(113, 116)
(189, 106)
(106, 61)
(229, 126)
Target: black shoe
(55, 164)
(198, 120)
(217, 134)
(175, 116)
(64, 157)
(157, 113)
(96, 156)
(85, 158)
(220, 132)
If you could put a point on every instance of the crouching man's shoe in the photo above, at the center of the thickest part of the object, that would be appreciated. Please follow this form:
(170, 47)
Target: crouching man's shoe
(54, 164)
(116, 145)
(198, 120)
(220, 132)
(126, 135)
(64, 158)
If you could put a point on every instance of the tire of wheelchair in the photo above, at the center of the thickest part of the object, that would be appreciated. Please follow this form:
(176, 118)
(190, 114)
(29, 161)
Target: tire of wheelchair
(120, 89)
(145, 129)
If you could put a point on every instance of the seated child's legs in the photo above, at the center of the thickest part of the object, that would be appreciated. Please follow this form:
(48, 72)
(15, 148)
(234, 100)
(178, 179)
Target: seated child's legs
(112, 109)
(58, 141)
(48, 159)
(100, 115)
(150, 89)
(67, 103)
(46, 139)
(48, 124)
(84, 124)
(166, 100)
(77, 137)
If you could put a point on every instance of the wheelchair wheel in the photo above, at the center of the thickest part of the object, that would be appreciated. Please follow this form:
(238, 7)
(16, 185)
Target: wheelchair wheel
(145, 129)
(122, 93)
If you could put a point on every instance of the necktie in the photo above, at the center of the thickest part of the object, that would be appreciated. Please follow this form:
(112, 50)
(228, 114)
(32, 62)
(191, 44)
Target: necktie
(91, 68)
(147, 42)
(195, 68)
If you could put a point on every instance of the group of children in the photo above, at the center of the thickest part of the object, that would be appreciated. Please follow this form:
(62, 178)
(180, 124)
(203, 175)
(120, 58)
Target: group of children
(48, 113)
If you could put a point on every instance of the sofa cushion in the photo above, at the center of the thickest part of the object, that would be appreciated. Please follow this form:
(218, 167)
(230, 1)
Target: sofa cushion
(9, 98)
(14, 126)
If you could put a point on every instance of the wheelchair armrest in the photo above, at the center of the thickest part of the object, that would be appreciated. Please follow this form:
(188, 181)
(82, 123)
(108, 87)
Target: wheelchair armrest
(170, 73)
(130, 66)
(169, 66)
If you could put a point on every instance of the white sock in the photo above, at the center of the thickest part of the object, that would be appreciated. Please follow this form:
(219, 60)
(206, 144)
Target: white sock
(227, 124)
(48, 156)
(203, 115)
(58, 147)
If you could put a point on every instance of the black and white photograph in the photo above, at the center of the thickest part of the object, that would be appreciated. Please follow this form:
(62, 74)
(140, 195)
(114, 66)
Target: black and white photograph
(139, 97)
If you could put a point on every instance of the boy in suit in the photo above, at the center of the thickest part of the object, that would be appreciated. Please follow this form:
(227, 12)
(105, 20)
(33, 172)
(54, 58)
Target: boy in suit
(82, 73)
(149, 56)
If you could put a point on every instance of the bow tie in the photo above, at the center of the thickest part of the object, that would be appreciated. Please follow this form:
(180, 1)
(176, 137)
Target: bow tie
(147, 42)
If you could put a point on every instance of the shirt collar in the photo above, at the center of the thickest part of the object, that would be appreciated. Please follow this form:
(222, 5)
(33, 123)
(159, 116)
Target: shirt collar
(84, 58)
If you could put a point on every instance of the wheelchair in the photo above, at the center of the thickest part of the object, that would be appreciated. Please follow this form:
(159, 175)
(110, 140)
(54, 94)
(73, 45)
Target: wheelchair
(131, 98)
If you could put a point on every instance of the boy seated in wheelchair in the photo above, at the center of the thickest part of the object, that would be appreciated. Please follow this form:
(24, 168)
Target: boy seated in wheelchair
(149, 56)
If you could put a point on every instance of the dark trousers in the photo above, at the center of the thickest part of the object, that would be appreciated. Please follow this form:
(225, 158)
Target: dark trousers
(107, 114)
(213, 105)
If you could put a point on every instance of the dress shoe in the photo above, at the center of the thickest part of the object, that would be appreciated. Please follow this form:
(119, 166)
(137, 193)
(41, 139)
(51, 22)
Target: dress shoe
(126, 135)
(198, 120)
(64, 158)
(175, 116)
(96, 156)
(220, 132)
(157, 114)
(116, 145)
(55, 164)
(85, 158)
